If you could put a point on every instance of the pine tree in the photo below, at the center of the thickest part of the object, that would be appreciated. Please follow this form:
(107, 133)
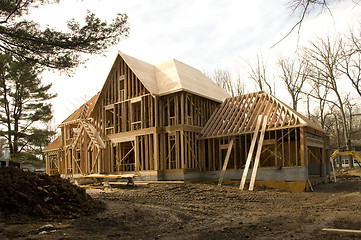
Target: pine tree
(24, 105)
(48, 47)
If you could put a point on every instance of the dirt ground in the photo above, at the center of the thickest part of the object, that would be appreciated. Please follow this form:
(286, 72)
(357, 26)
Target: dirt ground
(208, 211)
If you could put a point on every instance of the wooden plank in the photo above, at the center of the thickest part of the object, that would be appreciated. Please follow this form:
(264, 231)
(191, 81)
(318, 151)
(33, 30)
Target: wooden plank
(177, 149)
(151, 154)
(334, 230)
(303, 147)
(225, 118)
(162, 151)
(235, 155)
(111, 153)
(229, 150)
(168, 112)
(289, 147)
(269, 141)
(176, 110)
(136, 153)
(188, 160)
(213, 154)
(146, 153)
(239, 111)
(182, 107)
(245, 109)
(296, 146)
(333, 170)
(258, 154)
(169, 155)
(224, 146)
(276, 150)
(214, 124)
(182, 149)
(252, 106)
(309, 184)
(312, 142)
(156, 151)
(260, 108)
(250, 153)
(283, 149)
(142, 152)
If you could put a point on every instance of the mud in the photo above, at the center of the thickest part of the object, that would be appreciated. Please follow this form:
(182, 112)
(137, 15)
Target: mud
(208, 211)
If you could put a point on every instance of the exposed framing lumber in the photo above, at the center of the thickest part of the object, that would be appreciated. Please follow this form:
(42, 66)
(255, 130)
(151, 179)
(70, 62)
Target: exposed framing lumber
(334, 230)
(224, 168)
(171, 131)
(258, 154)
(250, 153)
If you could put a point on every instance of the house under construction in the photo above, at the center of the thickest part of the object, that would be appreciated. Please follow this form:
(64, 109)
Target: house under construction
(170, 122)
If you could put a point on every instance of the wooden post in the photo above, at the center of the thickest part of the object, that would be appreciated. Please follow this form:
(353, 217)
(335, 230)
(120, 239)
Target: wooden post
(250, 154)
(177, 149)
(156, 151)
(303, 147)
(182, 108)
(146, 153)
(229, 150)
(258, 154)
(182, 148)
(136, 153)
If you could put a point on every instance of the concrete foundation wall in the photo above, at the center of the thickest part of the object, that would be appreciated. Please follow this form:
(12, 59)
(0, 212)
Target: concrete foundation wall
(291, 174)
(283, 174)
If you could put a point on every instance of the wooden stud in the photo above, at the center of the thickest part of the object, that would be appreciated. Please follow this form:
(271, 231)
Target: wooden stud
(224, 168)
(250, 153)
(258, 154)
(303, 147)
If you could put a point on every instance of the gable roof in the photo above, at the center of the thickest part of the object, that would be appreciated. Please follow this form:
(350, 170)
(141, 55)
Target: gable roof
(173, 76)
(53, 146)
(238, 115)
(143, 70)
(82, 112)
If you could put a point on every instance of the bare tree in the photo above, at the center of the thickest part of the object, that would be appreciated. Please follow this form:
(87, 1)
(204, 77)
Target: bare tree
(294, 75)
(351, 62)
(239, 85)
(324, 57)
(303, 8)
(337, 135)
(258, 73)
(224, 79)
(320, 91)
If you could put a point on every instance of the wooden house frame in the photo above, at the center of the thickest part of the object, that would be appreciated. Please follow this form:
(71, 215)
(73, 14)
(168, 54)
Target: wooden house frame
(145, 120)
(170, 122)
(292, 150)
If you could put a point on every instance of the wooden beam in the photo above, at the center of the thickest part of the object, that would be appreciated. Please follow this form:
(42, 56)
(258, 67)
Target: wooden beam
(334, 230)
(229, 150)
(146, 151)
(156, 151)
(258, 154)
(136, 153)
(182, 149)
(269, 141)
(312, 142)
(303, 147)
(250, 153)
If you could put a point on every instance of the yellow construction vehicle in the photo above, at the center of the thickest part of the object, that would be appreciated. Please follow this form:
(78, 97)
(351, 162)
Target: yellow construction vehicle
(348, 153)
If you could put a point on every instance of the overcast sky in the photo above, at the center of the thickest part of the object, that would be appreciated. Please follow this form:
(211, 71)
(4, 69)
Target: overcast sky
(204, 34)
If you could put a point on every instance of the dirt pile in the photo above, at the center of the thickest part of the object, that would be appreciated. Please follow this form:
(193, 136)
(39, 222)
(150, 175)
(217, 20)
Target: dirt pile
(345, 174)
(41, 196)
